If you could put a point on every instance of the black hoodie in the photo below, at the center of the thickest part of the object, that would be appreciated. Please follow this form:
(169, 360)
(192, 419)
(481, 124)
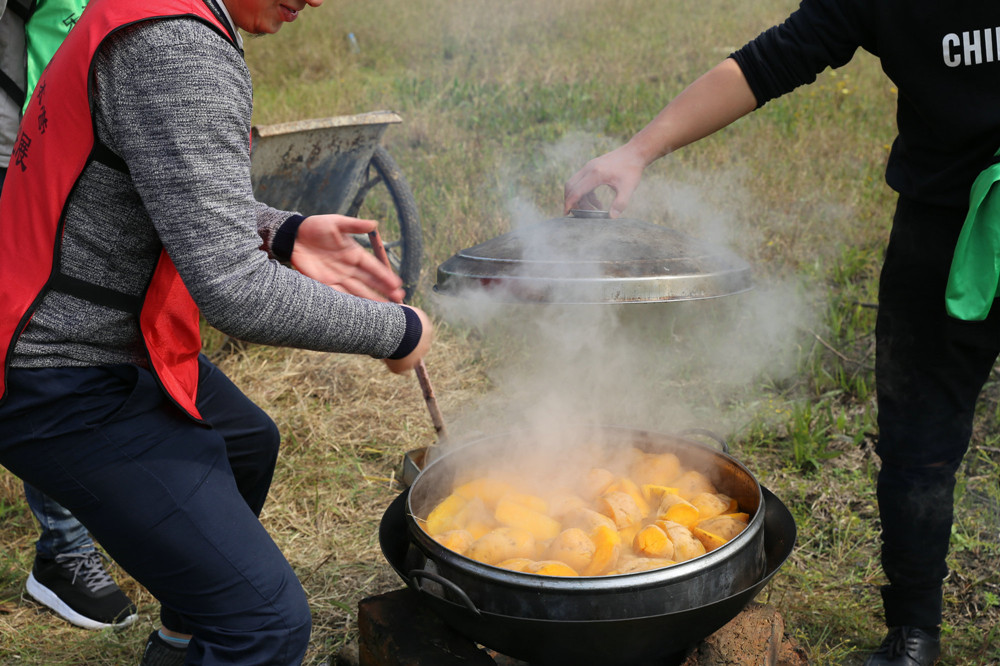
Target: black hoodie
(944, 59)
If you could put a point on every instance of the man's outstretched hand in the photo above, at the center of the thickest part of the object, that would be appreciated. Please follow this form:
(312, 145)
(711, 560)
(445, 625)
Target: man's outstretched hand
(325, 251)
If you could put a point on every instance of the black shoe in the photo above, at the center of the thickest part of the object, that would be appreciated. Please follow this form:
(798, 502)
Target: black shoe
(77, 587)
(159, 652)
(906, 646)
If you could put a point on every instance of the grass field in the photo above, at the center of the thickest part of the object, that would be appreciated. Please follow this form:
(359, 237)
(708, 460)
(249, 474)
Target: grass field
(502, 103)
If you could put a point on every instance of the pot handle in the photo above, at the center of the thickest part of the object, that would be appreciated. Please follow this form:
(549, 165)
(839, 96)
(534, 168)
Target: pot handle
(707, 433)
(447, 584)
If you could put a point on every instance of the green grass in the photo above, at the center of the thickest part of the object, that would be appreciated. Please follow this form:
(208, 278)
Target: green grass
(501, 105)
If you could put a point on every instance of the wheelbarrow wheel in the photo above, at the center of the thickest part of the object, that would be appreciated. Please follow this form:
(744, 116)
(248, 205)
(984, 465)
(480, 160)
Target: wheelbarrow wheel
(385, 196)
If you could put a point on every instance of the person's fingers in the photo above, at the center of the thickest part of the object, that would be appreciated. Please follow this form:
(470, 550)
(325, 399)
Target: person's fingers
(383, 274)
(365, 286)
(575, 189)
(579, 191)
(620, 202)
(570, 199)
(592, 202)
(623, 193)
(354, 225)
(353, 274)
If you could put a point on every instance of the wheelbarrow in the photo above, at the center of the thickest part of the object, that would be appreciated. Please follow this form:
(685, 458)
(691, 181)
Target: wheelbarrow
(338, 165)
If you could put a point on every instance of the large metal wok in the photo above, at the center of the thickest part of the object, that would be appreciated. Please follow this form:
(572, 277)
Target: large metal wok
(619, 619)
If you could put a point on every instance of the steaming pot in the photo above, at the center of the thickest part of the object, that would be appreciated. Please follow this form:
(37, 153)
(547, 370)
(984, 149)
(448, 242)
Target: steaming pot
(680, 604)
(588, 258)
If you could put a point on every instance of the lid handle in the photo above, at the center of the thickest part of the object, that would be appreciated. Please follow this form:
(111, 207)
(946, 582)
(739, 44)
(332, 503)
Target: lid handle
(584, 213)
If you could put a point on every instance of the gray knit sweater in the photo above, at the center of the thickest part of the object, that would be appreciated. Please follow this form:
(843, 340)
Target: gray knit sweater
(173, 99)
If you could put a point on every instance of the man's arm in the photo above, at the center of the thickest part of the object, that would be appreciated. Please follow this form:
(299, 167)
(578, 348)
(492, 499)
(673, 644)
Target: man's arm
(713, 101)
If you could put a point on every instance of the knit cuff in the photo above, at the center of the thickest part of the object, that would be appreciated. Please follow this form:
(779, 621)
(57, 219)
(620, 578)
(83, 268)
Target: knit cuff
(284, 238)
(414, 329)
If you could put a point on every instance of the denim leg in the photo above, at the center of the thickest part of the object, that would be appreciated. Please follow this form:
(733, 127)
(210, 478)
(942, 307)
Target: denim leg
(61, 532)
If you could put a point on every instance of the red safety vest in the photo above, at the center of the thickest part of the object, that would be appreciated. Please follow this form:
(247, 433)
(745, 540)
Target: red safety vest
(55, 142)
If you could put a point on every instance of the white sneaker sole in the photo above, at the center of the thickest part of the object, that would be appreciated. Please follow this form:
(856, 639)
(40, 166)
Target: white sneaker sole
(49, 599)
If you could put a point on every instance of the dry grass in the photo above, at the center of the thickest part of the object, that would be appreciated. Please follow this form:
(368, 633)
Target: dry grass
(501, 103)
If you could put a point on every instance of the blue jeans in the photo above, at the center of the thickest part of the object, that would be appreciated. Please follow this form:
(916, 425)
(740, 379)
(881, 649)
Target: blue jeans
(930, 370)
(61, 532)
(174, 502)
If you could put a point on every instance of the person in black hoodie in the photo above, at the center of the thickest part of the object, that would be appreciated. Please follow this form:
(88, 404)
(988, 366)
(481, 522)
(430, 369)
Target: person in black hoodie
(930, 368)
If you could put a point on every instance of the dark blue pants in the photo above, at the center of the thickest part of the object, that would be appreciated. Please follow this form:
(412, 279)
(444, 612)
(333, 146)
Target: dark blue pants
(175, 503)
(930, 369)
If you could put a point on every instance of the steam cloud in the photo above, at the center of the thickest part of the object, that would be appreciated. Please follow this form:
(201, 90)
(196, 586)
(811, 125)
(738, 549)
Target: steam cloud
(664, 367)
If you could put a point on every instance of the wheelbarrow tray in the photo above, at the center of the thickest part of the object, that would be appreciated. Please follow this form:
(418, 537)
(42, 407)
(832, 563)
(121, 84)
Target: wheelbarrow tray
(315, 166)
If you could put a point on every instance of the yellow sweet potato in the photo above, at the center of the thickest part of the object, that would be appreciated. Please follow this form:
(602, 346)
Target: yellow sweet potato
(726, 527)
(501, 544)
(587, 520)
(652, 541)
(621, 508)
(644, 564)
(533, 502)
(732, 506)
(710, 505)
(686, 546)
(654, 493)
(596, 482)
(629, 487)
(514, 514)
(551, 568)
(562, 503)
(678, 510)
(516, 563)
(475, 517)
(656, 469)
(456, 540)
(442, 517)
(607, 548)
(627, 534)
(708, 540)
(488, 489)
(573, 547)
(692, 482)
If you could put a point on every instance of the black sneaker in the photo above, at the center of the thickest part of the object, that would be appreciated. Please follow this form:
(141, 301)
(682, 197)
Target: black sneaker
(906, 646)
(159, 652)
(78, 588)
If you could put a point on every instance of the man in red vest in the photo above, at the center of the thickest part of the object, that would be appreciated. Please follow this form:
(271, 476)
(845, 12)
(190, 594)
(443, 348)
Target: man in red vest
(127, 214)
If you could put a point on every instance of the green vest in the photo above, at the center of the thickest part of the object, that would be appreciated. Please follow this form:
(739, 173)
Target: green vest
(45, 30)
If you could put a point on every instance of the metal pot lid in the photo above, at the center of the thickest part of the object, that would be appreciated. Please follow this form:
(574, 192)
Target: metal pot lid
(589, 258)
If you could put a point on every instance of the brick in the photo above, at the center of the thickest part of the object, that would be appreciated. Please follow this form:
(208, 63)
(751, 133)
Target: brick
(755, 637)
(397, 629)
